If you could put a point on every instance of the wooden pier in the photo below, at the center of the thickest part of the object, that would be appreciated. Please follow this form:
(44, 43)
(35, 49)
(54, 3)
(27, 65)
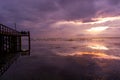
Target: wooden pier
(10, 46)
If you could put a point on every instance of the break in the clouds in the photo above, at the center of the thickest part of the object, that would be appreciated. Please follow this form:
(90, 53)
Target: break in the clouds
(40, 16)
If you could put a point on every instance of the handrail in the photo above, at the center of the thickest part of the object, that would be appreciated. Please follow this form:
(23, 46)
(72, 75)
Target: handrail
(6, 30)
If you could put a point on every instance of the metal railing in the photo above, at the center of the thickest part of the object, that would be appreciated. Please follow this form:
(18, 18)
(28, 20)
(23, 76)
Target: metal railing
(10, 46)
(7, 30)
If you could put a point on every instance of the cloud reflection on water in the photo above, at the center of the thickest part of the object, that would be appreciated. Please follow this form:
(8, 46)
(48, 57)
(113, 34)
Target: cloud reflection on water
(98, 47)
(94, 49)
(99, 55)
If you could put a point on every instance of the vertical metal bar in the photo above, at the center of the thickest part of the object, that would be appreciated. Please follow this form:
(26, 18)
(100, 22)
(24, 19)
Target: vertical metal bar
(29, 41)
(2, 44)
(10, 43)
(19, 43)
(0, 40)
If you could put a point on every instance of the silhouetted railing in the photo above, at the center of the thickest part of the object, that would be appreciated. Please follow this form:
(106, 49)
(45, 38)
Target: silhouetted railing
(10, 46)
(7, 31)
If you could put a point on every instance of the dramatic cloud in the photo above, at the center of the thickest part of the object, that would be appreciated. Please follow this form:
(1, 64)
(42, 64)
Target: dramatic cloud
(114, 2)
(107, 8)
(39, 15)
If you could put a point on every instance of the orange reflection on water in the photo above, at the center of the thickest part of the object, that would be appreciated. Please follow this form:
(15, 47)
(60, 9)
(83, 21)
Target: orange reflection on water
(92, 55)
(97, 46)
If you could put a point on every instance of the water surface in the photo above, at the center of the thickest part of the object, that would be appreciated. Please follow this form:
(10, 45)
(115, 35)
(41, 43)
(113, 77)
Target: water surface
(94, 59)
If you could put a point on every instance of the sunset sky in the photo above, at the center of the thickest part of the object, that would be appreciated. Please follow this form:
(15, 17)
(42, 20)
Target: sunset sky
(61, 18)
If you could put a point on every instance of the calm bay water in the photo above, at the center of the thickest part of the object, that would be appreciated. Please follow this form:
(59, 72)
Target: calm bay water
(94, 59)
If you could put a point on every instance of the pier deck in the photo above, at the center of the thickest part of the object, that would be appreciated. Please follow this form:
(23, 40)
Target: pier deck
(10, 46)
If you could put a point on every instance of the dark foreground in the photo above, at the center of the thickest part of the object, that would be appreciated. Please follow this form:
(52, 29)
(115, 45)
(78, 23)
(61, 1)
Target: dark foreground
(93, 60)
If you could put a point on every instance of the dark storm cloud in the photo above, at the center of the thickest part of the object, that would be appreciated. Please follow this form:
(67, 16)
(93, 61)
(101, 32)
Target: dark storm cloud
(114, 2)
(78, 9)
(29, 10)
(44, 12)
(32, 10)
(108, 8)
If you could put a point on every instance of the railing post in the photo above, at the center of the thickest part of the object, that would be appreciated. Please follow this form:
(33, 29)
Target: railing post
(10, 45)
(0, 41)
(29, 41)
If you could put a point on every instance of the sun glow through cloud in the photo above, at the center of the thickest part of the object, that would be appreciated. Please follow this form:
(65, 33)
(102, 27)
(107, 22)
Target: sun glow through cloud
(95, 21)
(97, 29)
(96, 26)
(102, 20)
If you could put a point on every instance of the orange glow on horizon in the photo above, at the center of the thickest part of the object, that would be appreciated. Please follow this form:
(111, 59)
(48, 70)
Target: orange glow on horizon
(79, 22)
(102, 20)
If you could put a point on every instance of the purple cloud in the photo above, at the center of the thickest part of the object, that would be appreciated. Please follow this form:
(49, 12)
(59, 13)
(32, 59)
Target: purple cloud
(39, 14)
(114, 2)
